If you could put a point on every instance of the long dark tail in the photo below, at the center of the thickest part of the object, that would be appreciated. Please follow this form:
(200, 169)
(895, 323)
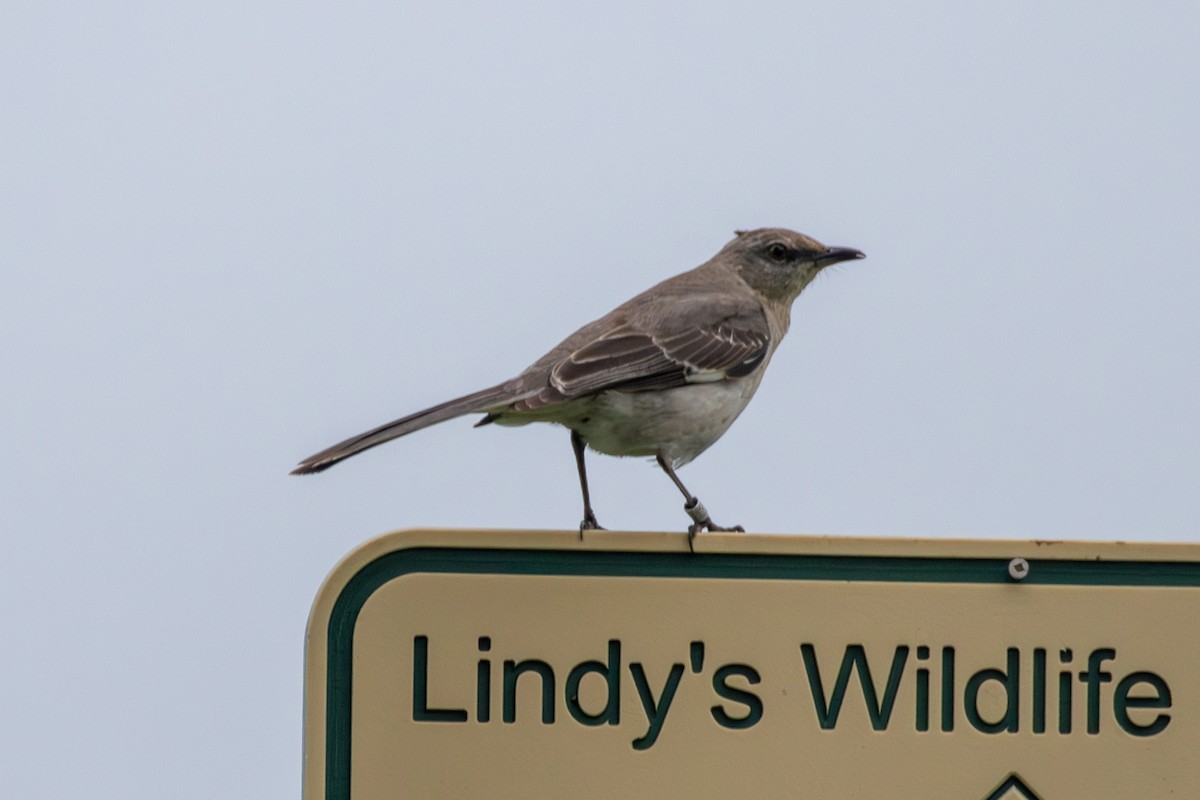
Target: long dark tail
(475, 402)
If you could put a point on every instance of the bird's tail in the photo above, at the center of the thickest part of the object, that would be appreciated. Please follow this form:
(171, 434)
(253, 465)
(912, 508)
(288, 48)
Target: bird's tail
(475, 402)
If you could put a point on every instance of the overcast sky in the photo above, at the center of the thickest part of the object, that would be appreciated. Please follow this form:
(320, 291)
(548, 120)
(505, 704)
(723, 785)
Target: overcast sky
(235, 233)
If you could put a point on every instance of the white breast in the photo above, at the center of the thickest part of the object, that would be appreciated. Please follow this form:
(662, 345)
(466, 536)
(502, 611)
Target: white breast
(680, 423)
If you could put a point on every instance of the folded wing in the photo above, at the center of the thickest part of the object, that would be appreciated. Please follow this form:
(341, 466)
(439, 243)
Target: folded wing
(631, 360)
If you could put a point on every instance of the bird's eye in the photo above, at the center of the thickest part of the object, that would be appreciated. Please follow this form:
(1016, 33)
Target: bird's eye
(778, 252)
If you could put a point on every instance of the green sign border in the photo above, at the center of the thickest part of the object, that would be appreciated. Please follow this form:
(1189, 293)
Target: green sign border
(733, 566)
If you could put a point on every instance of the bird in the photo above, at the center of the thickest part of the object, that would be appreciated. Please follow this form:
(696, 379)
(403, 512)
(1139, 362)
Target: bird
(661, 376)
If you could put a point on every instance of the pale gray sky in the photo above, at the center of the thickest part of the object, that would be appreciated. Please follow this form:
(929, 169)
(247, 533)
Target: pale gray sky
(234, 233)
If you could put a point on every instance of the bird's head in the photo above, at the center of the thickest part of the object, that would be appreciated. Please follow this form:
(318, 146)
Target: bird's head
(779, 263)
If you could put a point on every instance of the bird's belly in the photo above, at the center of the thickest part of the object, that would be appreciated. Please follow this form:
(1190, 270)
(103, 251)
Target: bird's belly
(678, 423)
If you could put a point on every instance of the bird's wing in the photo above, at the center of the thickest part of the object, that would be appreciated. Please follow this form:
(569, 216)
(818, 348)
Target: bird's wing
(720, 342)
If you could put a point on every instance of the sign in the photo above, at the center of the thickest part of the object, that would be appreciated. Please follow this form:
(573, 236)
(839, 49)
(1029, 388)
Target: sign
(491, 664)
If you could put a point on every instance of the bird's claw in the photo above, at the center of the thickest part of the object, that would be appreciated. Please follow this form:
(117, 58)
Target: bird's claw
(589, 523)
(703, 522)
(709, 525)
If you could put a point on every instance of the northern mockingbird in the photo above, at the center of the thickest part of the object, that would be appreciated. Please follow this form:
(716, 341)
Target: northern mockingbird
(663, 375)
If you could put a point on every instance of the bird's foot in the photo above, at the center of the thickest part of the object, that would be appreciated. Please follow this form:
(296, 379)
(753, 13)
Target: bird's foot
(709, 525)
(589, 523)
(703, 522)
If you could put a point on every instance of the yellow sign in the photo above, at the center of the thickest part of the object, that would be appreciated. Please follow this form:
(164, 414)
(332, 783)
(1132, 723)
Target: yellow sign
(488, 664)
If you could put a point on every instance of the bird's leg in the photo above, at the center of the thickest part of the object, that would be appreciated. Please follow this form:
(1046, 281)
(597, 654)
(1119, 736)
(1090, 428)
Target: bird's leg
(701, 521)
(589, 517)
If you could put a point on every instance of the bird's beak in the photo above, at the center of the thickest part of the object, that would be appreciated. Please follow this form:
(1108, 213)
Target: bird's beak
(834, 255)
